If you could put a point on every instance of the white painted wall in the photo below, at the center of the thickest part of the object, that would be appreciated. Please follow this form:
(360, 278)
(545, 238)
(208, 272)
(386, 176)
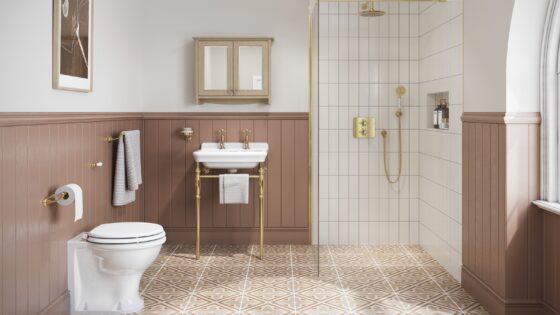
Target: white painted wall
(143, 54)
(168, 50)
(26, 59)
(486, 35)
(524, 55)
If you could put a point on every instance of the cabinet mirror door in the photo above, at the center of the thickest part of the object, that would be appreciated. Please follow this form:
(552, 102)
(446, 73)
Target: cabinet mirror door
(251, 68)
(215, 77)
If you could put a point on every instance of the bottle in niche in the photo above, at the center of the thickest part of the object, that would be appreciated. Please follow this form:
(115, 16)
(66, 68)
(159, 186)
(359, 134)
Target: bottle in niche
(436, 116)
(440, 114)
(444, 122)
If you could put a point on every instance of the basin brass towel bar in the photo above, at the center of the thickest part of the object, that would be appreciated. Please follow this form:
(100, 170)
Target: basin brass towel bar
(197, 180)
(111, 139)
(53, 199)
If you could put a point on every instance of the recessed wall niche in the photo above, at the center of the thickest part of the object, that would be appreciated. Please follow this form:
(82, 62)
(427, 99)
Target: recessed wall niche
(437, 111)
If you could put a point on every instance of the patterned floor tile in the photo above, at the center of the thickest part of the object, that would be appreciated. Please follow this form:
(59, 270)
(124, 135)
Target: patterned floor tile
(229, 279)
(212, 309)
(161, 291)
(267, 309)
(159, 308)
(378, 309)
(322, 309)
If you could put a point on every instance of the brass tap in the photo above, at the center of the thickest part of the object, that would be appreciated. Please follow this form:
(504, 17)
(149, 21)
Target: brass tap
(222, 133)
(246, 145)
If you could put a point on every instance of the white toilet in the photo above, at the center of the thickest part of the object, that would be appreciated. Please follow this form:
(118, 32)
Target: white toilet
(105, 266)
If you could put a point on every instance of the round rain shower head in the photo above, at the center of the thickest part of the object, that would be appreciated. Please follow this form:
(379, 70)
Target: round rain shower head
(367, 10)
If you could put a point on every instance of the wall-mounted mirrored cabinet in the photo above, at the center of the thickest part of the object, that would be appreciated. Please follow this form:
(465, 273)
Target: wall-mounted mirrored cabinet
(233, 70)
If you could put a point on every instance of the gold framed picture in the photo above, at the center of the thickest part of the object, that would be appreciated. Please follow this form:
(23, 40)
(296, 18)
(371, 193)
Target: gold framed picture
(72, 28)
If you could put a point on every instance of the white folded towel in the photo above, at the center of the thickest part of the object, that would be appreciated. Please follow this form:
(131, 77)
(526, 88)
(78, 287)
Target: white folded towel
(234, 188)
(128, 169)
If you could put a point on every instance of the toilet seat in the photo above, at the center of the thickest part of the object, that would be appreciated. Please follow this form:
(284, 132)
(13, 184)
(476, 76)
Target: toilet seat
(126, 233)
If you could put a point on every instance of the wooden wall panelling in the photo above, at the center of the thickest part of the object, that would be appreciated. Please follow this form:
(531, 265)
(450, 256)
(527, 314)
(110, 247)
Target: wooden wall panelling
(8, 221)
(178, 154)
(465, 204)
(516, 213)
(486, 210)
(286, 187)
(479, 253)
(535, 233)
(500, 287)
(274, 210)
(20, 210)
(164, 173)
(151, 153)
(502, 245)
(471, 196)
(3, 230)
(37, 155)
(494, 205)
(301, 186)
(551, 261)
(288, 158)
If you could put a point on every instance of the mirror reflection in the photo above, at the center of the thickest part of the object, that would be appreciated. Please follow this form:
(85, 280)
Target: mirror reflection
(250, 68)
(216, 68)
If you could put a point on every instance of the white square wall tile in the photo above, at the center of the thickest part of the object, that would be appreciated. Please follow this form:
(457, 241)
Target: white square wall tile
(363, 210)
(404, 233)
(414, 234)
(393, 233)
(324, 232)
(333, 187)
(384, 232)
(353, 210)
(364, 233)
(343, 233)
(333, 210)
(323, 209)
(373, 233)
(343, 210)
(333, 233)
(353, 233)
(343, 187)
(374, 210)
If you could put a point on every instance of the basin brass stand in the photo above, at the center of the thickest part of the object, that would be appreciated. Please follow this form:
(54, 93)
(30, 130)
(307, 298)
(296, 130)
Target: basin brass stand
(197, 180)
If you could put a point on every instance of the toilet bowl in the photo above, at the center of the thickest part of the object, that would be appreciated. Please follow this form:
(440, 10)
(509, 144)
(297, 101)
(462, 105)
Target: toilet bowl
(105, 266)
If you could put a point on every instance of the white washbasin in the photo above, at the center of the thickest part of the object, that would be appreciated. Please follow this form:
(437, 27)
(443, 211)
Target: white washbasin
(233, 157)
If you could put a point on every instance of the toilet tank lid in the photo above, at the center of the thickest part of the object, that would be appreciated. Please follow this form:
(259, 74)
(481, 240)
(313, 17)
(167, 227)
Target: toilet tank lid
(126, 230)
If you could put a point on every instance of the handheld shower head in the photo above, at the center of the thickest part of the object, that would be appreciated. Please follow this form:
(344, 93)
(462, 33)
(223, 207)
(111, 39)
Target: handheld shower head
(367, 10)
(401, 91)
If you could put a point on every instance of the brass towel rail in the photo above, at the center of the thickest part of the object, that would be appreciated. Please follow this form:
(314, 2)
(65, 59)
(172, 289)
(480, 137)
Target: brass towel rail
(111, 139)
(197, 184)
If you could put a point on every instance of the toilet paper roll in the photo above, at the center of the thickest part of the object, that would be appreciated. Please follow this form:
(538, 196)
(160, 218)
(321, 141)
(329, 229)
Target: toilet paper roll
(75, 196)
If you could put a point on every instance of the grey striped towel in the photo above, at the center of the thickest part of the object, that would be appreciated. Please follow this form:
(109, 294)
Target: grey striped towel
(128, 169)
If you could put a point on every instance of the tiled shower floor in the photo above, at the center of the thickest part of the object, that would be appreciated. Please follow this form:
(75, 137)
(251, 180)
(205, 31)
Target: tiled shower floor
(353, 280)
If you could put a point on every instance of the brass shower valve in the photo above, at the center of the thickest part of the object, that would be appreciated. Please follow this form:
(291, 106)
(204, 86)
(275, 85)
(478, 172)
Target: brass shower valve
(364, 127)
